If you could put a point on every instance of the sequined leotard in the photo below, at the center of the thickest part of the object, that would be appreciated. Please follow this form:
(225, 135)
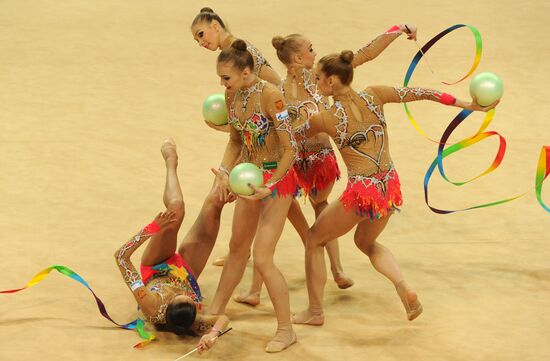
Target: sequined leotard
(261, 130)
(316, 165)
(168, 279)
(373, 187)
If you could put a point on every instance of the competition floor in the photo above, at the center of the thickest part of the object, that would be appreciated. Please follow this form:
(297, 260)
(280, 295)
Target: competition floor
(89, 90)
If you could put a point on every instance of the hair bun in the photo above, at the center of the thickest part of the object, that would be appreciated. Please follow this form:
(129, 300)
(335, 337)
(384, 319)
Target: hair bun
(346, 56)
(239, 45)
(278, 42)
(207, 10)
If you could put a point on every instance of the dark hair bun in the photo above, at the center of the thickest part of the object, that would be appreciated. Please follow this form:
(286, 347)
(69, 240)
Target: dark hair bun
(207, 10)
(239, 45)
(346, 56)
(278, 42)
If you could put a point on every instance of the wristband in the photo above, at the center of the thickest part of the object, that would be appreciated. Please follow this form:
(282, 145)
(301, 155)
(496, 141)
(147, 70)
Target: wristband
(151, 228)
(393, 29)
(447, 99)
(135, 285)
(222, 169)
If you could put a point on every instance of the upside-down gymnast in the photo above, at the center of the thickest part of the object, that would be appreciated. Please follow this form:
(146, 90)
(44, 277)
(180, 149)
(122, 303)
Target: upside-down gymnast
(166, 289)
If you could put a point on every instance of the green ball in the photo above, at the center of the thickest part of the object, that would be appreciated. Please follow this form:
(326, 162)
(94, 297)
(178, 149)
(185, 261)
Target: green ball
(244, 174)
(214, 109)
(487, 88)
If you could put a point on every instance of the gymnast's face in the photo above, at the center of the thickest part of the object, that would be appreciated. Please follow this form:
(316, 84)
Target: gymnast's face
(324, 83)
(307, 54)
(230, 77)
(207, 34)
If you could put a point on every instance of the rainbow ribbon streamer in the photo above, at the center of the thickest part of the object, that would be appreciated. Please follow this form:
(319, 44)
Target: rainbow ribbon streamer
(543, 168)
(137, 325)
(424, 49)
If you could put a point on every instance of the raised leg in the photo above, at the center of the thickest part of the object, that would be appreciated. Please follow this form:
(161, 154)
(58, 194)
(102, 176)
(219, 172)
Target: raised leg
(199, 241)
(163, 244)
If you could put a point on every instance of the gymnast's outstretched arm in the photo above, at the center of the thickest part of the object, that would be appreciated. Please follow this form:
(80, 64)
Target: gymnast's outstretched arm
(386, 94)
(132, 278)
(381, 42)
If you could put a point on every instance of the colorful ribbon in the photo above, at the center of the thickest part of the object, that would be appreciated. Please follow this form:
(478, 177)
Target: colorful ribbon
(424, 49)
(137, 325)
(543, 168)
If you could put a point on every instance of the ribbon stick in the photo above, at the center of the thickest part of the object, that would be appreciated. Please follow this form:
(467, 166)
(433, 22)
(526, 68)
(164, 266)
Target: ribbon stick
(137, 325)
(197, 348)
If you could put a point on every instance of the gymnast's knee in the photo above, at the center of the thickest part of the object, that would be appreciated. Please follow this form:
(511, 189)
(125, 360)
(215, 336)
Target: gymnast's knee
(365, 244)
(178, 207)
(319, 206)
(314, 238)
(238, 250)
(262, 262)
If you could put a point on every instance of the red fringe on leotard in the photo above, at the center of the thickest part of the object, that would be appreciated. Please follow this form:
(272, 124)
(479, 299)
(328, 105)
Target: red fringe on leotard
(373, 200)
(288, 185)
(316, 175)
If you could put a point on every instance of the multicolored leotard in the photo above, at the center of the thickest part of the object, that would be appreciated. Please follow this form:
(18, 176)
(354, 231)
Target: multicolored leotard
(373, 187)
(168, 279)
(261, 130)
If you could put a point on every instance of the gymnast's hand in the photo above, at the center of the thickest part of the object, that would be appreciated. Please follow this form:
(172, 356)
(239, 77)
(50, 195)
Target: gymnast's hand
(259, 193)
(164, 218)
(410, 30)
(207, 341)
(221, 186)
(476, 107)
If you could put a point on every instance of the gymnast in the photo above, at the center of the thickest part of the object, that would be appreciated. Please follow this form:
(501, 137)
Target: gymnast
(261, 134)
(167, 291)
(210, 32)
(357, 124)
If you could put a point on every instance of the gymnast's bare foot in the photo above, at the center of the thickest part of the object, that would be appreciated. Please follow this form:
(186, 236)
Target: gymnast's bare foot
(284, 338)
(410, 301)
(306, 317)
(168, 150)
(252, 299)
(341, 280)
